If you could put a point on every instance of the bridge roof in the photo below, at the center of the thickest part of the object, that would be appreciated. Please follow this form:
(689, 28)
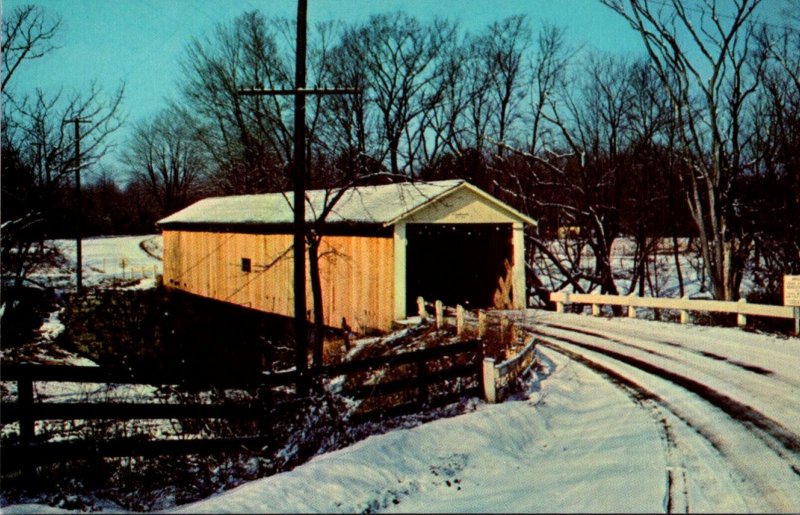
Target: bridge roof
(382, 205)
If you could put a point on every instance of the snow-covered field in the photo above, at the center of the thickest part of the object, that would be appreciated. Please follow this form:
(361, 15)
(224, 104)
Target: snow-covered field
(621, 415)
(662, 279)
(107, 259)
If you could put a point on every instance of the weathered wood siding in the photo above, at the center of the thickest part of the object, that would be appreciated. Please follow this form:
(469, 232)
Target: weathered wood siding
(356, 273)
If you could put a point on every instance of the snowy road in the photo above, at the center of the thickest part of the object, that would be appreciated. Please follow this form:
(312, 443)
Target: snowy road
(728, 401)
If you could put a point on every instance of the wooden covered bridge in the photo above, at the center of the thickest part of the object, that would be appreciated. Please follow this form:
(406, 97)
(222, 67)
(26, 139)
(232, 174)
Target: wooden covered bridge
(382, 247)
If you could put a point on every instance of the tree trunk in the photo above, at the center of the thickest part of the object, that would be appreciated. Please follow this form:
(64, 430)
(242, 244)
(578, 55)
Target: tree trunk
(316, 293)
(676, 256)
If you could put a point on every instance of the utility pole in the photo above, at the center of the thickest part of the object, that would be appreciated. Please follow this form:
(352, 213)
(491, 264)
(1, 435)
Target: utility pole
(79, 206)
(299, 180)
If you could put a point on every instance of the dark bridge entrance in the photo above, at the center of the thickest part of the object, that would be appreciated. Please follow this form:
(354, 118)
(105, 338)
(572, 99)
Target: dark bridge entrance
(455, 263)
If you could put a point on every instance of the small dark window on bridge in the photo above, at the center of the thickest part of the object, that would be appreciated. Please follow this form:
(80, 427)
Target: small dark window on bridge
(245, 264)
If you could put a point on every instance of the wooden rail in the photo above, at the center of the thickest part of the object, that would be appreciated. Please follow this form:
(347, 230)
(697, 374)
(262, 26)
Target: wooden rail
(741, 308)
(28, 452)
(421, 379)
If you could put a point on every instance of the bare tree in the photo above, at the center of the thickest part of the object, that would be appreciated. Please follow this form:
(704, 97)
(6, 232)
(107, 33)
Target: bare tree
(28, 33)
(437, 131)
(652, 205)
(398, 54)
(710, 78)
(37, 199)
(347, 129)
(588, 176)
(165, 156)
(548, 71)
(770, 197)
(37, 151)
(504, 47)
(248, 137)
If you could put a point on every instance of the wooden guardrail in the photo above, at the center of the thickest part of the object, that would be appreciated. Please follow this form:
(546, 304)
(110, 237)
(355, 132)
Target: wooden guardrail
(497, 378)
(685, 305)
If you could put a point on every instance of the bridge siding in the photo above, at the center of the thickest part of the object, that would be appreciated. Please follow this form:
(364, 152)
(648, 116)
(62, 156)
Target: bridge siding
(356, 273)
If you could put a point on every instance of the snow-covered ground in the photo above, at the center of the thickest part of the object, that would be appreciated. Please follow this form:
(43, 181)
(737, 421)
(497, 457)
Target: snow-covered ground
(129, 262)
(107, 259)
(662, 281)
(584, 439)
(622, 415)
(574, 445)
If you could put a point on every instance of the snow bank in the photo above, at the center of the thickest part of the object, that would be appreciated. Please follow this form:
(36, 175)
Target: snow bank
(576, 444)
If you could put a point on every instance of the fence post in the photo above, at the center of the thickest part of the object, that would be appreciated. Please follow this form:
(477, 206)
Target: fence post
(423, 315)
(741, 318)
(797, 320)
(595, 310)
(686, 317)
(481, 324)
(489, 381)
(422, 373)
(439, 314)
(460, 315)
(504, 326)
(27, 430)
(561, 306)
(631, 307)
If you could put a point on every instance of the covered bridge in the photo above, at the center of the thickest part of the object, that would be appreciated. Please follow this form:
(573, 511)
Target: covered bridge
(382, 247)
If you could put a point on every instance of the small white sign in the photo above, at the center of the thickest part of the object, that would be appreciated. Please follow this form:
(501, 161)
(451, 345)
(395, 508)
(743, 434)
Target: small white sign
(791, 290)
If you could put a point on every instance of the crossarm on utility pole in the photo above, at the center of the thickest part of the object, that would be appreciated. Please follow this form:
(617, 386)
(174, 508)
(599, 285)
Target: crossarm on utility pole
(252, 92)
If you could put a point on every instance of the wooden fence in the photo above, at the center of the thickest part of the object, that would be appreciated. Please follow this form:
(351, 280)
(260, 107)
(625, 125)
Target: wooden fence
(386, 385)
(496, 378)
(443, 366)
(685, 305)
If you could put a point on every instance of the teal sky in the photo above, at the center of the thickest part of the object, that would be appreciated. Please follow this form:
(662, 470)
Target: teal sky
(139, 42)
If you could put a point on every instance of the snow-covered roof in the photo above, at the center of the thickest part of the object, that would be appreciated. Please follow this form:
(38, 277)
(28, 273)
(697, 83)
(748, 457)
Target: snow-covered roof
(385, 205)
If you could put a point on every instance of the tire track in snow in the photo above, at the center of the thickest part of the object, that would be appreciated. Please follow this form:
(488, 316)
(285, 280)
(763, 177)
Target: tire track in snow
(677, 495)
(746, 414)
(776, 438)
(705, 354)
(677, 489)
